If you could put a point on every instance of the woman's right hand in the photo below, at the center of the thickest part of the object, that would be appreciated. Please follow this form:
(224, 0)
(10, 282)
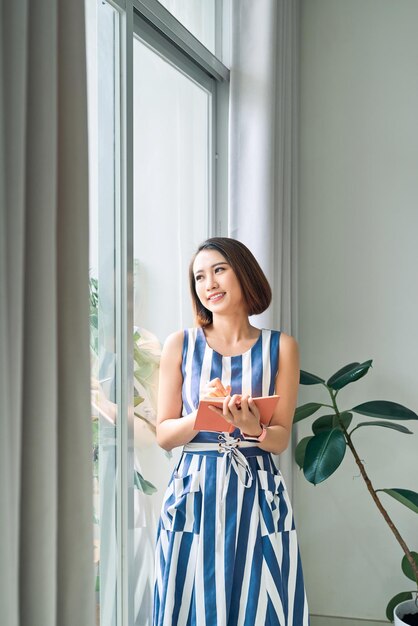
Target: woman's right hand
(215, 389)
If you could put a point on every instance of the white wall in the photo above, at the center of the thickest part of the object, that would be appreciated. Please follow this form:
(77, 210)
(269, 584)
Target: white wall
(358, 283)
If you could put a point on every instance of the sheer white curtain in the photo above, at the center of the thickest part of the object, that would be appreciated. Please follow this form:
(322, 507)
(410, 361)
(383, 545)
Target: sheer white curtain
(263, 151)
(46, 569)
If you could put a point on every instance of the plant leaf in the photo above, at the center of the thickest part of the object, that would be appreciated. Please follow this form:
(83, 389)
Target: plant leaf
(404, 496)
(309, 379)
(349, 374)
(300, 451)
(406, 566)
(305, 410)
(323, 455)
(398, 427)
(143, 485)
(341, 372)
(328, 422)
(386, 410)
(400, 597)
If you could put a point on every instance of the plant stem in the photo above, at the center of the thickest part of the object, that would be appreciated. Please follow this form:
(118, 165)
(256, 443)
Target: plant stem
(148, 423)
(374, 494)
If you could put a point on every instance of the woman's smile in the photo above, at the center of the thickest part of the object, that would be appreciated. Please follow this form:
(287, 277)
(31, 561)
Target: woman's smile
(216, 297)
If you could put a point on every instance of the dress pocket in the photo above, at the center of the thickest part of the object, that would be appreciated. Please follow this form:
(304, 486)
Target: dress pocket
(276, 514)
(182, 504)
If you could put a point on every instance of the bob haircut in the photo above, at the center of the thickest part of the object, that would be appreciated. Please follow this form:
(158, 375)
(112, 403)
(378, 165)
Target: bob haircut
(254, 284)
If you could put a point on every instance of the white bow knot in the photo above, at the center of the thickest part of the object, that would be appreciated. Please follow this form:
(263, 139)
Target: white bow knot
(229, 447)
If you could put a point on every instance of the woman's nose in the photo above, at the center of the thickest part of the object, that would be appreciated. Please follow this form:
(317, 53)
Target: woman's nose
(211, 281)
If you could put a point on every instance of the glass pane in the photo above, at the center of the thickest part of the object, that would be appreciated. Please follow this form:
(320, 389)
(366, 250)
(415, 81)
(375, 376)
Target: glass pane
(198, 16)
(172, 196)
(171, 186)
(102, 56)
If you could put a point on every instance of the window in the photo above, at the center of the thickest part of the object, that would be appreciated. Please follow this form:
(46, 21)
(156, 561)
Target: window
(198, 16)
(158, 106)
(173, 183)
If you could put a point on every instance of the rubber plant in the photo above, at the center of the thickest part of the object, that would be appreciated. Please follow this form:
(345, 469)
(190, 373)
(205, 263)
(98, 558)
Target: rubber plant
(320, 454)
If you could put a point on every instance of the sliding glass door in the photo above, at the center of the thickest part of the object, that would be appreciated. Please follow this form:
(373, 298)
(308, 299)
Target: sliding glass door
(157, 102)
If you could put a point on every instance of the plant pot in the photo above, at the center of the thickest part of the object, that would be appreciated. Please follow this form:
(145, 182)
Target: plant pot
(405, 608)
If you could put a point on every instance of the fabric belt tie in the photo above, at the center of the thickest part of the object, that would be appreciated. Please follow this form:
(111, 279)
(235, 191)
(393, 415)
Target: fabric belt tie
(231, 457)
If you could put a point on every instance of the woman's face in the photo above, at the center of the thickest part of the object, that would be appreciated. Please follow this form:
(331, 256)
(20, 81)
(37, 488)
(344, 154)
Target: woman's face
(217, 285)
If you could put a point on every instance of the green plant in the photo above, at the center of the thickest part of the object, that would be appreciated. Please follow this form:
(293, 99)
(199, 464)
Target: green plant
(146, 363)
(320, 454)
(94, 317)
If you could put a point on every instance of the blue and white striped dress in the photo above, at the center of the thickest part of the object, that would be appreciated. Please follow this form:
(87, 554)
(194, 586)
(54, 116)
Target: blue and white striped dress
(227, 551)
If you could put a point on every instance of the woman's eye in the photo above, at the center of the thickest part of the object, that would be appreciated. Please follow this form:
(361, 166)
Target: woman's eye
(216, 270)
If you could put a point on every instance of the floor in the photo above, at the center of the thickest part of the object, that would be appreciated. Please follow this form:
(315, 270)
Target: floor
(320, 620)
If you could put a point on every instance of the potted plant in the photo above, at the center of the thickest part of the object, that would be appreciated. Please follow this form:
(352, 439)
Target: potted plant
(406, 613)
(320, 455)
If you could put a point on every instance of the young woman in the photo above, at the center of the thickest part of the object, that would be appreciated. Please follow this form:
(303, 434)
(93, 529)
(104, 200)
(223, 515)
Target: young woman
(227, 552)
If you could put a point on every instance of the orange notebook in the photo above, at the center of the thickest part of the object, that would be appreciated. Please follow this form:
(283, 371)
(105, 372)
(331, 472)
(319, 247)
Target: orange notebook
(206, 419)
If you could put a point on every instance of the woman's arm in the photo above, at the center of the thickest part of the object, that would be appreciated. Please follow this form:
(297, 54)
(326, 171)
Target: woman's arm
(286, 386)
(172, 429)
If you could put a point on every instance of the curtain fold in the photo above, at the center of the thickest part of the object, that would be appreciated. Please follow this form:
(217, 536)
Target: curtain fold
(263, 162)
(46, 544)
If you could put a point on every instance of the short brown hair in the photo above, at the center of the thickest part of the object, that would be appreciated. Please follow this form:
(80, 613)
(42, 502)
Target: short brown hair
(254, 284)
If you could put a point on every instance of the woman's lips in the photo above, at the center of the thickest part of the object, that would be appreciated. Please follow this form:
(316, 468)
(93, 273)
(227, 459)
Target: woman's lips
(216, 298)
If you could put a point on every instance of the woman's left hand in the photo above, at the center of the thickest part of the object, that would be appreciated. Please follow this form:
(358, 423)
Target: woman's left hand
(242, 412)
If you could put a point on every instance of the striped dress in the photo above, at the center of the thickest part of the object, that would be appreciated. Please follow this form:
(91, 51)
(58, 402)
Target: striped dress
(227, 551)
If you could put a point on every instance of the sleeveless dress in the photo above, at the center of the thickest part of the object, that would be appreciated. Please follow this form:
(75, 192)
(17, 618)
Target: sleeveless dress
(227, 551)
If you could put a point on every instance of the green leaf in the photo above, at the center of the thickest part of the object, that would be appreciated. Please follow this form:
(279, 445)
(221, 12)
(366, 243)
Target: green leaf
(406, 566)
(309, 379)
(328, 422)
(341, 372)
(300, 451)
(94, 320)
(384, 409)
(143, 485)
(144, 370)
(324, 454)
(95, 432)
(305, 410)
(398, 427)
(404, 496)
(324, 423)
(349, 374)
(400, 597)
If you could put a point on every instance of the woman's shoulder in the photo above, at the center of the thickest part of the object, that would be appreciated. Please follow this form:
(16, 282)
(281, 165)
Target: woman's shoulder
(287, 342)
(282, 334)
(175, 340)
(178, 336)
(289, 347)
